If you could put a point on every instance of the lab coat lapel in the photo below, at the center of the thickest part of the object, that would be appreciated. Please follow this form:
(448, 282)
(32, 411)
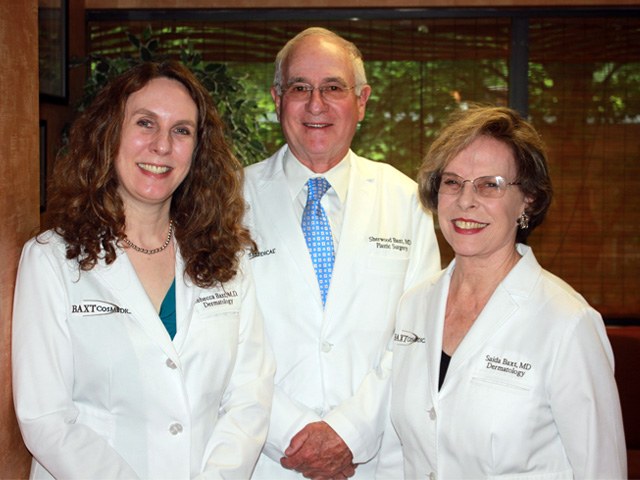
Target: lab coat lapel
(501, 307)
(498, 310)
(434, 307)
(122, 281)
(279, 213)
(186, 294)
(357, 219)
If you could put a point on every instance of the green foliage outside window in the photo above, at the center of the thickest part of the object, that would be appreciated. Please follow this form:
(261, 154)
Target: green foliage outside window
(583, 94)
(239, 110)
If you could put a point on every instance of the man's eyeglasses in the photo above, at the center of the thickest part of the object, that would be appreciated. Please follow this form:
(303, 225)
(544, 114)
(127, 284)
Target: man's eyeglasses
(330, 92)
(493, 186)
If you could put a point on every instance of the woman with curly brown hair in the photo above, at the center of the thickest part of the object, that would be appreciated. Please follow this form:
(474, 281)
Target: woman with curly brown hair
(138, 348)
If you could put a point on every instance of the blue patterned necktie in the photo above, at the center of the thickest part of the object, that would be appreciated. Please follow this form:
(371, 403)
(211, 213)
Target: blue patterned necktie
(317, 233)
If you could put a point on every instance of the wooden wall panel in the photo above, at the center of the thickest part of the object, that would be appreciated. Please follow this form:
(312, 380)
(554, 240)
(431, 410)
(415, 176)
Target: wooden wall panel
(19, 199)
(58, 116)
(20, 113)
(107, 4)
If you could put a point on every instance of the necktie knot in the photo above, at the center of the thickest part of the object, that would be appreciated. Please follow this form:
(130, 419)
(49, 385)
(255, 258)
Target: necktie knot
(318, 186)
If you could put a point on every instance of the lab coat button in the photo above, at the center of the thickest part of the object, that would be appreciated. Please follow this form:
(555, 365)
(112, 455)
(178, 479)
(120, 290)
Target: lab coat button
(432, 413)
(171, 364)
(326, 347)
(175, 428)
(432, 476)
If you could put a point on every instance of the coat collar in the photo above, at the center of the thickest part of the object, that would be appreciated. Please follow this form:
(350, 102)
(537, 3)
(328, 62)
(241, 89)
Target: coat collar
(503, 305)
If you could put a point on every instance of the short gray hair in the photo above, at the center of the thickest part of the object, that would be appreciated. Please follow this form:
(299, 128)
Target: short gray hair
(351, 49)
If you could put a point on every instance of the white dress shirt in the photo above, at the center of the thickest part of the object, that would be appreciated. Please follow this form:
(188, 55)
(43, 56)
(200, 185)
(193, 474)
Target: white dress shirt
(332, 202)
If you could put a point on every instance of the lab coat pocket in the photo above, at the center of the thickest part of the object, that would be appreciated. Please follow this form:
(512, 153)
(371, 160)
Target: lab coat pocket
(501, 406)
(218, 305)
(497, 384)
(217, 326)
(387, 265)
(565, 475)
(219, 330)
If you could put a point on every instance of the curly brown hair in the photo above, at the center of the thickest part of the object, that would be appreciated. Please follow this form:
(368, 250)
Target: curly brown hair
(207, 208)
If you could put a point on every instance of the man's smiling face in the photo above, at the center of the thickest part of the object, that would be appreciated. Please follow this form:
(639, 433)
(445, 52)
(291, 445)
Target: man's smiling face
(319, 132)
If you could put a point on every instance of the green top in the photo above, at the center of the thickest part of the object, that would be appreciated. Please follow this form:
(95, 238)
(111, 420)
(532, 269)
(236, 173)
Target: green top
(168, 310)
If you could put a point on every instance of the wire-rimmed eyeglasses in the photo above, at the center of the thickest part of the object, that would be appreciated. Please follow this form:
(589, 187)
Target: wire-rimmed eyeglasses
(330, 92)
(491, 186)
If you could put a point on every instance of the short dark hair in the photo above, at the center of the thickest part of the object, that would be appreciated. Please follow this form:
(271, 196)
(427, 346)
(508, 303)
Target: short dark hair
(507, 126)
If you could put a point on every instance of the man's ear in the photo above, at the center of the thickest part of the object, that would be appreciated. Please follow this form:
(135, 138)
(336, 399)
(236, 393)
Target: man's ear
(277, 99)
(362, 101)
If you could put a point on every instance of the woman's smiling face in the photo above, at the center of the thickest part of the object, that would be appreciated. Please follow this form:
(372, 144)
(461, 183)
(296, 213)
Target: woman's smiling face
(474, 225)
(157, 142)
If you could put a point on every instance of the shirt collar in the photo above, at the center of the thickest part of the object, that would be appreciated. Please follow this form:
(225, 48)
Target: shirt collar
(297, 175)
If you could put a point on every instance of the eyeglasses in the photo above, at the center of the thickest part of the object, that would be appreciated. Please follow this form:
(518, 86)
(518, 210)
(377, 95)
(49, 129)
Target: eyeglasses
(330, 92)
(492, 186)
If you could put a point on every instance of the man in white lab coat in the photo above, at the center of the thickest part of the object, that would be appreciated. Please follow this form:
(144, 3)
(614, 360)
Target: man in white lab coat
(330, 412)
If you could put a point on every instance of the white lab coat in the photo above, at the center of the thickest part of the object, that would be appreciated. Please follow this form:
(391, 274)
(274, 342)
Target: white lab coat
(101, 391)
(529, 393)
(328, 360)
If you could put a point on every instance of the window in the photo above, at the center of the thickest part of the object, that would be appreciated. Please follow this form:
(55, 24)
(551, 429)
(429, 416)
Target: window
(582, 93)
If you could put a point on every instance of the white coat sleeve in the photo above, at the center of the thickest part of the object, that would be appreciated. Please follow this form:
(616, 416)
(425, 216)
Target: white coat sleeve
(288, 417)
(240, 432)
(360, 420)
(584, 401)
(42, 358)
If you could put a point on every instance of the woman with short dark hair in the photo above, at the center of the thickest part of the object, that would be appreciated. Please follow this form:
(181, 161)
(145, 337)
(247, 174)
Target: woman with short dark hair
(500, 369)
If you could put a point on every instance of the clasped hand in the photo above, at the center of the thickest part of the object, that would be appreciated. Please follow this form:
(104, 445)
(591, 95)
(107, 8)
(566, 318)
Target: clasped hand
(318, 452)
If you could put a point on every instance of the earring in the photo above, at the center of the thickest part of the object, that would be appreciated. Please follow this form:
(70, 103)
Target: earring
(523, 221)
